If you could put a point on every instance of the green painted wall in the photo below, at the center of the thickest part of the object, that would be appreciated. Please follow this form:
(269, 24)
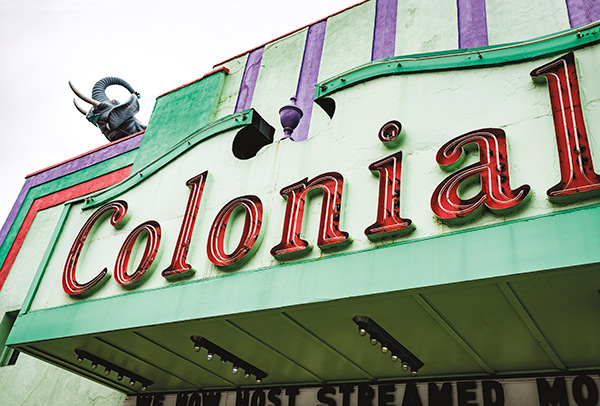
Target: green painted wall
(403, 264)
(31, 381)
(178, 114)
(413, 15)
(511, 20)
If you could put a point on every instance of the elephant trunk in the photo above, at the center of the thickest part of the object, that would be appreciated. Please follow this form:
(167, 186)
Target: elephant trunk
(99, 90)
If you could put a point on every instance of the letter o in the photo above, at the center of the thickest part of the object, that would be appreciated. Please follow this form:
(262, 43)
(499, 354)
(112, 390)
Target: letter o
(592, 391)
(152, 230)
(216, 238)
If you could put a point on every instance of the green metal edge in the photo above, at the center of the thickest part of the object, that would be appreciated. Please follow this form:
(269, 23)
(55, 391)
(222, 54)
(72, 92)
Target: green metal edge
(45, 259)
(227, 123)
(84, 175)
(570, 239)
(462, 59)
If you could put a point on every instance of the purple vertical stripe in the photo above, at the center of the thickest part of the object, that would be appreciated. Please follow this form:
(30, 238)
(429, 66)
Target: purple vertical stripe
(110, 151)
(244, 101)
(15, 209)
(309, 74)
(582, 12)
(472, 24)
(384, 34)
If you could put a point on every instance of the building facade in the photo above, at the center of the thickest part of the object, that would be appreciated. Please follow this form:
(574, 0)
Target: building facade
(395, 205)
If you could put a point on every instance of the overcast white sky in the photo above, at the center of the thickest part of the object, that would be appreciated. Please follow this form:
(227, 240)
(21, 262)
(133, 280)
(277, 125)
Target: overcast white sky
(154, 45)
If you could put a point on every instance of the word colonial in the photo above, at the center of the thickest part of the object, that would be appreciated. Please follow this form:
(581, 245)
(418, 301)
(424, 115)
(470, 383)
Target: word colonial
(578, 180)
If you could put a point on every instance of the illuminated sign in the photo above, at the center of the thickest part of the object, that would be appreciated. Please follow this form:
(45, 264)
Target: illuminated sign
(490, 175)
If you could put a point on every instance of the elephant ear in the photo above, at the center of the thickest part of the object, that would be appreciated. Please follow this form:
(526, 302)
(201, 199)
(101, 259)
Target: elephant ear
(123, 112)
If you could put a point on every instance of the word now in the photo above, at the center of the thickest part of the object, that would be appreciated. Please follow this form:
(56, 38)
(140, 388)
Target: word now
(578, 179)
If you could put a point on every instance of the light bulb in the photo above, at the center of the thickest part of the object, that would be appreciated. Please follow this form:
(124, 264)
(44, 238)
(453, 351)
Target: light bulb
(209, 356)
(362, 332)
(404, 366)
(94, 365)
(373, 341)
(259, 381)
(80, 359)
(144, 388)
(119, 377)
(196, 348)
(107, 372)
(384, 349)
(394, 358)
(223, 360)
(246, 375)
(132, 382)
(234, 370)
(414, 372)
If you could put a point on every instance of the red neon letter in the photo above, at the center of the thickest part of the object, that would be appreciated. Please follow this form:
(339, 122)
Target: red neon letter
(179, 268)
(492, 171)
(576, 167)
(388, 223)
(70, 284)
(152, 229)
(216, 238)
(332, 184)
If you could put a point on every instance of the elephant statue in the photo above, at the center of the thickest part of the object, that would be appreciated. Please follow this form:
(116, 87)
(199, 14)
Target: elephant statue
(116, 120)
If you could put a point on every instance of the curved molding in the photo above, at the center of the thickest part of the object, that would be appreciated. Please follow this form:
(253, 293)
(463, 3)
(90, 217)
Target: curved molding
(458, 59)
(241, 119)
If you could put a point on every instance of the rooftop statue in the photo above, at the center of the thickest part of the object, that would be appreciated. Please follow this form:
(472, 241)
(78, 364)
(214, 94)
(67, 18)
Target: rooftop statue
(116, 120)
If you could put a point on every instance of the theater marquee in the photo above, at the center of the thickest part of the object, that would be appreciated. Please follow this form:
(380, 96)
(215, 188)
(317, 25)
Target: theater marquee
(451, 197)
(573, 390)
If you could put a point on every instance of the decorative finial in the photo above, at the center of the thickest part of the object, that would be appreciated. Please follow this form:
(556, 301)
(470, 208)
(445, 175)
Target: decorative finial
(290, 116)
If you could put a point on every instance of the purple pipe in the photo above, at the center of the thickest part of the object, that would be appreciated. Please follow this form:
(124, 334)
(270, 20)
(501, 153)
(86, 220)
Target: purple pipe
(582, 12)
(472, 24)
(384, 33)
(309, 74)
(244, 101)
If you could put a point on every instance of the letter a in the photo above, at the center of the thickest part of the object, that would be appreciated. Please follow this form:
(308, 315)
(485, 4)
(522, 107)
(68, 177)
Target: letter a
(491, 170)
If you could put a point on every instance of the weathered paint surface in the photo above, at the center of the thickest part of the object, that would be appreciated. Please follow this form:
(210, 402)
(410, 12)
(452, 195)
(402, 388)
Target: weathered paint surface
(31, 381)
(525, 116)
(456, 100)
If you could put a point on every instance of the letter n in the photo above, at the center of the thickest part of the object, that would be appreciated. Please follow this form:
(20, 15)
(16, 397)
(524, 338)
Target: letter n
(332, 184)
(491, 171)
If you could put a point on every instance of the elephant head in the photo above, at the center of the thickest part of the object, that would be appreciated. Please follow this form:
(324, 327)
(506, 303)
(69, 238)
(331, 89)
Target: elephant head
(116, 120)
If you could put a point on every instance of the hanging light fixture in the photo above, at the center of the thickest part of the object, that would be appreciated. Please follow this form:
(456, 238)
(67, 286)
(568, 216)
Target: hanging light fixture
(96, 361)
(367, 325)
(226, 356)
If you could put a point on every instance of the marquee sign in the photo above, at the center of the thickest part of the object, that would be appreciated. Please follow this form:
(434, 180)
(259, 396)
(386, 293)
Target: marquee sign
(491, 173)
(434, 192)
(580, 390)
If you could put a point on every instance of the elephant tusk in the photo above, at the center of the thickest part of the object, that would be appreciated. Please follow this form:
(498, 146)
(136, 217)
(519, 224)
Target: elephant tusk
(82, 96)
(81, 109)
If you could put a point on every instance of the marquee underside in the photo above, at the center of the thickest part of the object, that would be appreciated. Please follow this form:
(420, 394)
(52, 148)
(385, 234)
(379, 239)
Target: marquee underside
(541, 320)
